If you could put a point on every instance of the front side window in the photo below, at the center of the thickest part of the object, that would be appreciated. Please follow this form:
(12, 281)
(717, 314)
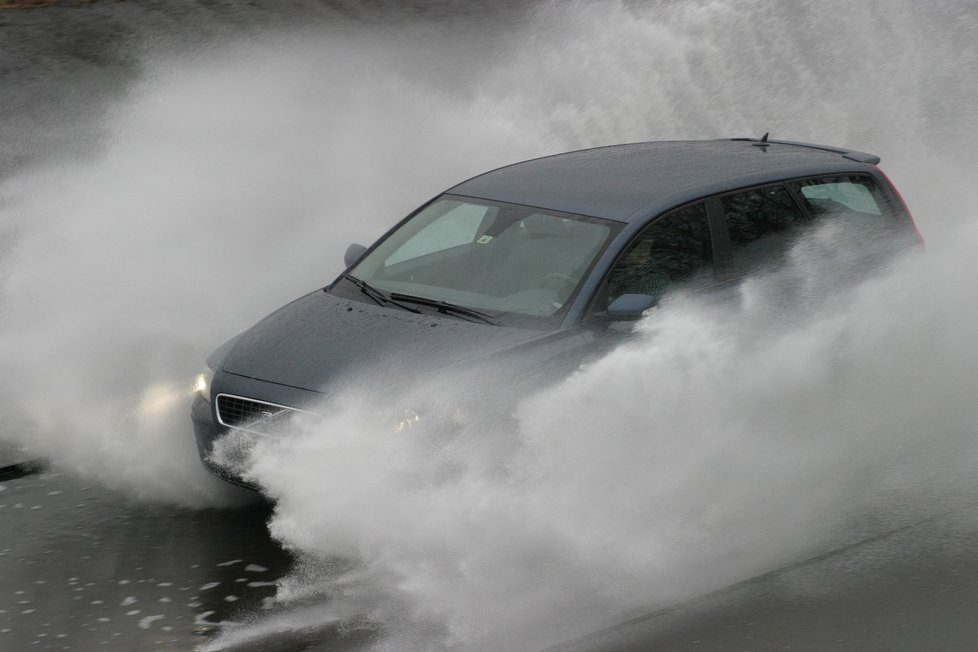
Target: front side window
(516, 263)
(674, 252)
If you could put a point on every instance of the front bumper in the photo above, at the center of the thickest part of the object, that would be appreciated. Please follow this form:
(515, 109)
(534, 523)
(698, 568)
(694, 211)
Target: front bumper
(207, 431)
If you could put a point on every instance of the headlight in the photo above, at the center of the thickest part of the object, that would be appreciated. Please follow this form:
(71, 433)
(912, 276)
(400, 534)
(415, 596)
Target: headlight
(202, 385)
(446, 421)
(408, 420)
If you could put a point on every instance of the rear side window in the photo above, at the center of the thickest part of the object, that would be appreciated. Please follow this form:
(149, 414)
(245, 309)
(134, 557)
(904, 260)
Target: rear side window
(840, 196)
(762, 224)
(856, 203)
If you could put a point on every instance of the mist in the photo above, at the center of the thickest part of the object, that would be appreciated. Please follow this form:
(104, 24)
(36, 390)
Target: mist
(720, 443)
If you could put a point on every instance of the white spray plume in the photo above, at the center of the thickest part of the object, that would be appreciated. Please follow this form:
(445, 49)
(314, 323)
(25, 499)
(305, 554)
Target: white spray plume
(720, 443)
(231, 182)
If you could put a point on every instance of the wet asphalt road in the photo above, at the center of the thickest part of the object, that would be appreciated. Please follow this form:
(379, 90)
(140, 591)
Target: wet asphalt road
(911, 590)
(84, 568)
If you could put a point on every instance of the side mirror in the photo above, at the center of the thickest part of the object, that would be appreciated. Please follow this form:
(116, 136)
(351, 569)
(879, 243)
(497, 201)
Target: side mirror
(353, 254)
(631, 306)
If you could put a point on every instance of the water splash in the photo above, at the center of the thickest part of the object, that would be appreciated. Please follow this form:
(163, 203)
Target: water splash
(231, 179)
(719, 444)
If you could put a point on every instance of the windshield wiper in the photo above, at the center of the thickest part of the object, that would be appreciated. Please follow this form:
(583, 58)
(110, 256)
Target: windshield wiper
(447, 308)
(378, 296)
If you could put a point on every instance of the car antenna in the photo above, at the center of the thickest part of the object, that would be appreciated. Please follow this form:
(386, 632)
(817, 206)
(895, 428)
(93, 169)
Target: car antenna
(764, 137)
(762, 143)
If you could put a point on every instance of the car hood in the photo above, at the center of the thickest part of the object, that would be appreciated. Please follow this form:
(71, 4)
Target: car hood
(320, 338)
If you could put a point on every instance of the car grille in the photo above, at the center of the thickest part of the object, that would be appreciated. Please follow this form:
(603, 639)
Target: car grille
(254, 416)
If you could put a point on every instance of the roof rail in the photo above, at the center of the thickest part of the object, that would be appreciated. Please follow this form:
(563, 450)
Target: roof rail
(852, 155)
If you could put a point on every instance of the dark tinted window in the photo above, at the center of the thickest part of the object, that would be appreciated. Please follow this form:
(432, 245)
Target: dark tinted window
(759, 213)
(675, 250)
(762, 223)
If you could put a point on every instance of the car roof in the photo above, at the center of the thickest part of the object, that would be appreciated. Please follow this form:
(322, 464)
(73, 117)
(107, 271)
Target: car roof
(635, 181)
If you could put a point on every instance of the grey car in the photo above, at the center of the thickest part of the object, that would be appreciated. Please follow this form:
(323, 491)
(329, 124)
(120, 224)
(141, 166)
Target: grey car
(531, 268)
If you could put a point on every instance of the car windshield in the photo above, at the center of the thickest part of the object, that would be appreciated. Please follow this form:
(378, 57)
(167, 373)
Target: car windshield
(515, 263)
